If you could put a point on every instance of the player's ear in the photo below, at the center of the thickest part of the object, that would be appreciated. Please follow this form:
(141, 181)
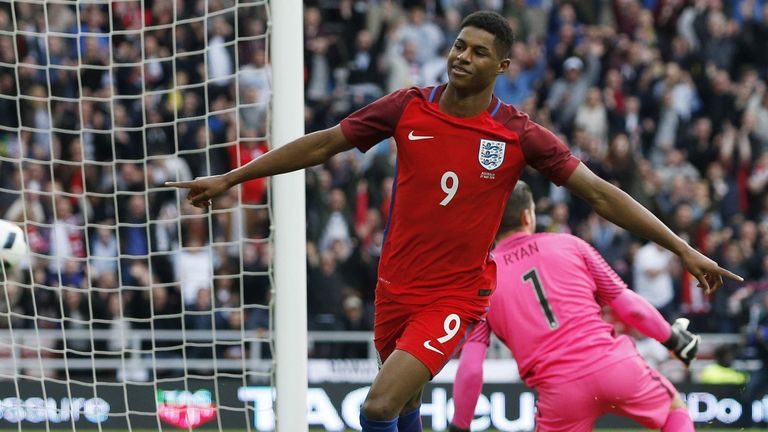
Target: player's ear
(525, 218)
(503, 66)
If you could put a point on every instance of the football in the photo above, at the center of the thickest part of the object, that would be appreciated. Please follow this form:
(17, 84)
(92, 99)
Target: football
(13, 246)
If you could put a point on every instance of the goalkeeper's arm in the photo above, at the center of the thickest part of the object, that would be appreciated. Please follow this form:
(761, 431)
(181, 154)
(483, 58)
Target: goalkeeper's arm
(467, 385)
(638, 313)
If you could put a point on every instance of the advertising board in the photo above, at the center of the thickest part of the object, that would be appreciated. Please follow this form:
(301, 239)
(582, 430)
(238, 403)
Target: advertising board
(333, 406)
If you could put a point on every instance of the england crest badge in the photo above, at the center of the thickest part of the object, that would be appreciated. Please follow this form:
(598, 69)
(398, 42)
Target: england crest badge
(491, 154)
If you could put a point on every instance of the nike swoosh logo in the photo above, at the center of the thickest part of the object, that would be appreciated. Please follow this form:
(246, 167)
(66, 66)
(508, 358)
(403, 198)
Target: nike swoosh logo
(413, 137)
(427, 345)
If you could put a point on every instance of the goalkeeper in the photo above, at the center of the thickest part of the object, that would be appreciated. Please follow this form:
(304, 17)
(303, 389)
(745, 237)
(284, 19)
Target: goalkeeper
(546, 309)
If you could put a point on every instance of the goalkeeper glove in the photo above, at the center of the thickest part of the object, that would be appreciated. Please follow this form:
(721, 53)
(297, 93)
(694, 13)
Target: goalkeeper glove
(682, 342)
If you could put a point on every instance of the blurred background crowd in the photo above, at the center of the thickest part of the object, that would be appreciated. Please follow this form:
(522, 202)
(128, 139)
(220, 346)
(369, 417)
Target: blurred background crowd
(665, 98)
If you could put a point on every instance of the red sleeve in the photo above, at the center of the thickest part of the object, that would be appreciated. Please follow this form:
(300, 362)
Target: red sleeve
(541, 148)
(609, 284)
(376, 121)
(547, 153)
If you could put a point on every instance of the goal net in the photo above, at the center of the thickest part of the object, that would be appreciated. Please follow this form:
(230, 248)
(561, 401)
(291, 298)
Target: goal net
(135, 310)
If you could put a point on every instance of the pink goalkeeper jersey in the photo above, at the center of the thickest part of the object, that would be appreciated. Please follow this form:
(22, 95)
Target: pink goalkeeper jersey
(547, 304)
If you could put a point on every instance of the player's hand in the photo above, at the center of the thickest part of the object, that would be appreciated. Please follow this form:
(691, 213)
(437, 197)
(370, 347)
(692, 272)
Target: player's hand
(202, 189)
(709, 274)
(683, 343)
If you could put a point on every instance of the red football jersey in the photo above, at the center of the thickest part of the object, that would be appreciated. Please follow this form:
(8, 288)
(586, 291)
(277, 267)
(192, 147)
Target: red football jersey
(453, 178)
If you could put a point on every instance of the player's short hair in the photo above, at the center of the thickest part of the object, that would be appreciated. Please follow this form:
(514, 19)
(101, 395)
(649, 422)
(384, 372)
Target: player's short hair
(496, 25)
(520, 199)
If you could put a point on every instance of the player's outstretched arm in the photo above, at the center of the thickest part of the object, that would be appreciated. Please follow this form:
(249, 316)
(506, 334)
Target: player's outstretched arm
(618, 207)
(309, 150)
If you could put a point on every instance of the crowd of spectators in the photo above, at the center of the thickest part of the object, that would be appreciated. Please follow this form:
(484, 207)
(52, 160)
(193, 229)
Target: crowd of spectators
(101, 104)
(665, 98)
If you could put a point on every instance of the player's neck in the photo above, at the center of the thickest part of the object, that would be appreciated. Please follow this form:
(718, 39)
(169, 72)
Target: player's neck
(467, 103)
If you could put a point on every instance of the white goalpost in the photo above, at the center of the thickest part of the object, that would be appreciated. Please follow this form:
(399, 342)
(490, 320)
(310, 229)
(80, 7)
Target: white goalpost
(133, 310)
(290, 235)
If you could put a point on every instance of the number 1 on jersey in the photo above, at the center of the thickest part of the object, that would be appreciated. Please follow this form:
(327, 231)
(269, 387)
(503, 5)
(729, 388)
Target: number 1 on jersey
(451, 189)
(533, 277)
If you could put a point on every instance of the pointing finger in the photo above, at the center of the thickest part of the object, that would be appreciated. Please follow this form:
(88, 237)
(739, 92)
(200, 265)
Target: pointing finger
(730, 275)
(179, 184)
